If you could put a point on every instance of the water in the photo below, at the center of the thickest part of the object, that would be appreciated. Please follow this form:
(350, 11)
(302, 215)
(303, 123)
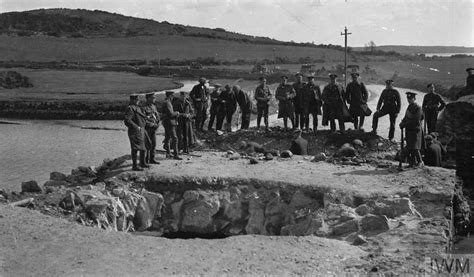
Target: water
(34, 149)
(448, 54)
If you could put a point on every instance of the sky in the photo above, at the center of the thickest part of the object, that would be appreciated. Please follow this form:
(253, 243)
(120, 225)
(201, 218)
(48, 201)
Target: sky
(401, 22)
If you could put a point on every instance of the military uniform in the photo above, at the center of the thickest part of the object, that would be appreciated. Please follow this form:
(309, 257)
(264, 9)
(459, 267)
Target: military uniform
(227, 109)
(298, 103)
(214, 107)
(413, 132)
(357, 95)
(199, 95)
(245, 107)
(285, 94)
(185, 132)
(333, 98)
(432, 104)
(135, 122)
(170, 121)
(263, 96)
(312, 102)
(152, 118)
(390, 98)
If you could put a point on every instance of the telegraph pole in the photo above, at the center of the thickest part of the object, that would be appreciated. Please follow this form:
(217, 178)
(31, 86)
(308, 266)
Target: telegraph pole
(345, 54)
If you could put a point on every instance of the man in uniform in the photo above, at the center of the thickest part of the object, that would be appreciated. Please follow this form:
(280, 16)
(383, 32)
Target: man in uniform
(357, 96)
(263, 96)
(170, 117)
(298, 86)
(312, 102)
(199, 95)
(432, 104)
(285, 94)
(433, 152)
(214, 105)
(230, 104)
(299, 146)
(333, 98)
(390, 98)
(413, 133)
(152, 122)
(245, 106)
(185, 130)
(135, 122)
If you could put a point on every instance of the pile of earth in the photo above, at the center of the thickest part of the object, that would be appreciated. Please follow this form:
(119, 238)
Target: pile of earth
(364, 147)
(13, 79)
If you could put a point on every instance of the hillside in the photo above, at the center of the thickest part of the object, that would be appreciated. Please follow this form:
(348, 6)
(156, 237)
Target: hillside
(409, 50)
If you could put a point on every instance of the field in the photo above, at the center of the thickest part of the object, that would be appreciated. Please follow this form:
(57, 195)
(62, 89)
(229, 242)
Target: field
(146, 47)
(84, 86)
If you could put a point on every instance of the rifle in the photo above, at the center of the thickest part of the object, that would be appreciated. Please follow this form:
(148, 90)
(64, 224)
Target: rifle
(401, 151)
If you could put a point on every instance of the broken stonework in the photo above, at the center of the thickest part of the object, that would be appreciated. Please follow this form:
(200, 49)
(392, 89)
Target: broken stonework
(394, 207)
(198, 210)
(256, 219)
(345, 228)
(374, 224)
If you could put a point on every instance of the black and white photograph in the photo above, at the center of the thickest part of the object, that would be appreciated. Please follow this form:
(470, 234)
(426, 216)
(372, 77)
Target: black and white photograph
(236, 137)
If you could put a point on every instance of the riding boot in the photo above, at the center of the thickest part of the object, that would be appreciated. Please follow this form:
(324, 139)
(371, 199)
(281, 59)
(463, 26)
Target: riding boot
(142, 159)
(134, 161)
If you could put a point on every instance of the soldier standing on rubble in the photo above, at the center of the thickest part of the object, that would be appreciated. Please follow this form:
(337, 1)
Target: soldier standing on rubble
(214, 105)
(390, 98)
(152, 123)
(312, 102)
(135, 122)
(285, 94)
(199, 95)
(170, 117)
(298, 86)
(413, 133)
(263, 96)
(333, 98)
(357, 96)
(432, 104)
(245, 105)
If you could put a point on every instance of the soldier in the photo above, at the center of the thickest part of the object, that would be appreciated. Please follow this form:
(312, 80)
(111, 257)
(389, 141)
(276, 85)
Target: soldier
(469, 88)
(185, 131)
(413, 133)
(152, 122)
(357, 96)
(135, 122)
(299, 146)
(285, 94)
(433, 152)
(333, 98)
(432, 104)
(229, 102)
(245, 106)
(169, 122)
(312, 102)
(214, 105)
(390, 98)
(263, 96)
(199, 95)
(298, 86)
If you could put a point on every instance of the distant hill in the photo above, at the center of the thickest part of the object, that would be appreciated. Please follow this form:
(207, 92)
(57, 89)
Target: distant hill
(410, 50)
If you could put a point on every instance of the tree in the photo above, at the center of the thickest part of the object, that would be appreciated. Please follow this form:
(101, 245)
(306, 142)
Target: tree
(370, 46)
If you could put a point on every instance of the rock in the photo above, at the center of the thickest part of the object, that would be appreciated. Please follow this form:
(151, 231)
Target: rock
(56, 183)
(30, 186)
(394, 207)
(338, 197)
(219, 132)
(286, 154)
(347, 150)
(155, 202)
(100, 185)
(118, 192)
(339, 212)
(256, 216)
(300, 200)
(198, 210)
(269, 157)
(231, 204)
(356, 239)
(311, 225)
(374, 224)
(345, 228)
(71, 201)
(357, 142)
(234, 156)
(362, 210)
(276, 211)
(319, 157)
(253, 161)
(57, 176)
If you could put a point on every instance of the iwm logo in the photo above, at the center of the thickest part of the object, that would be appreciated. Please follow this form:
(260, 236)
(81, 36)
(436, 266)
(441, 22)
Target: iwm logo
(456, 265)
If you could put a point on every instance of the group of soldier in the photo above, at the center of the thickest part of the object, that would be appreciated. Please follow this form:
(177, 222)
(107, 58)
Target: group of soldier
(299, 101)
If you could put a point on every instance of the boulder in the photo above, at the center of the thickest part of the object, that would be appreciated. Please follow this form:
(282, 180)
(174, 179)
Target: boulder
(362, 210)
(231, 204)
(234, 156)
(198, 210)
(253, 161)
(71, 201)
(56, 183)
(31, 186)
(57, 176)
(319, 157)
(268, 156)
(374, 224)
(347, 150)
(276, 213)
(394, 207)
(300, 200)
(286, 154)
(345, 228)
(311, 225)
(255, 224)
(339, 212)
(357, 142)
(148, 209)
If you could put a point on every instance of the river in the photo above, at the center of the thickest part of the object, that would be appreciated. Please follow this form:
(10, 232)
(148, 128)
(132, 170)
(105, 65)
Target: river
(34, 148)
